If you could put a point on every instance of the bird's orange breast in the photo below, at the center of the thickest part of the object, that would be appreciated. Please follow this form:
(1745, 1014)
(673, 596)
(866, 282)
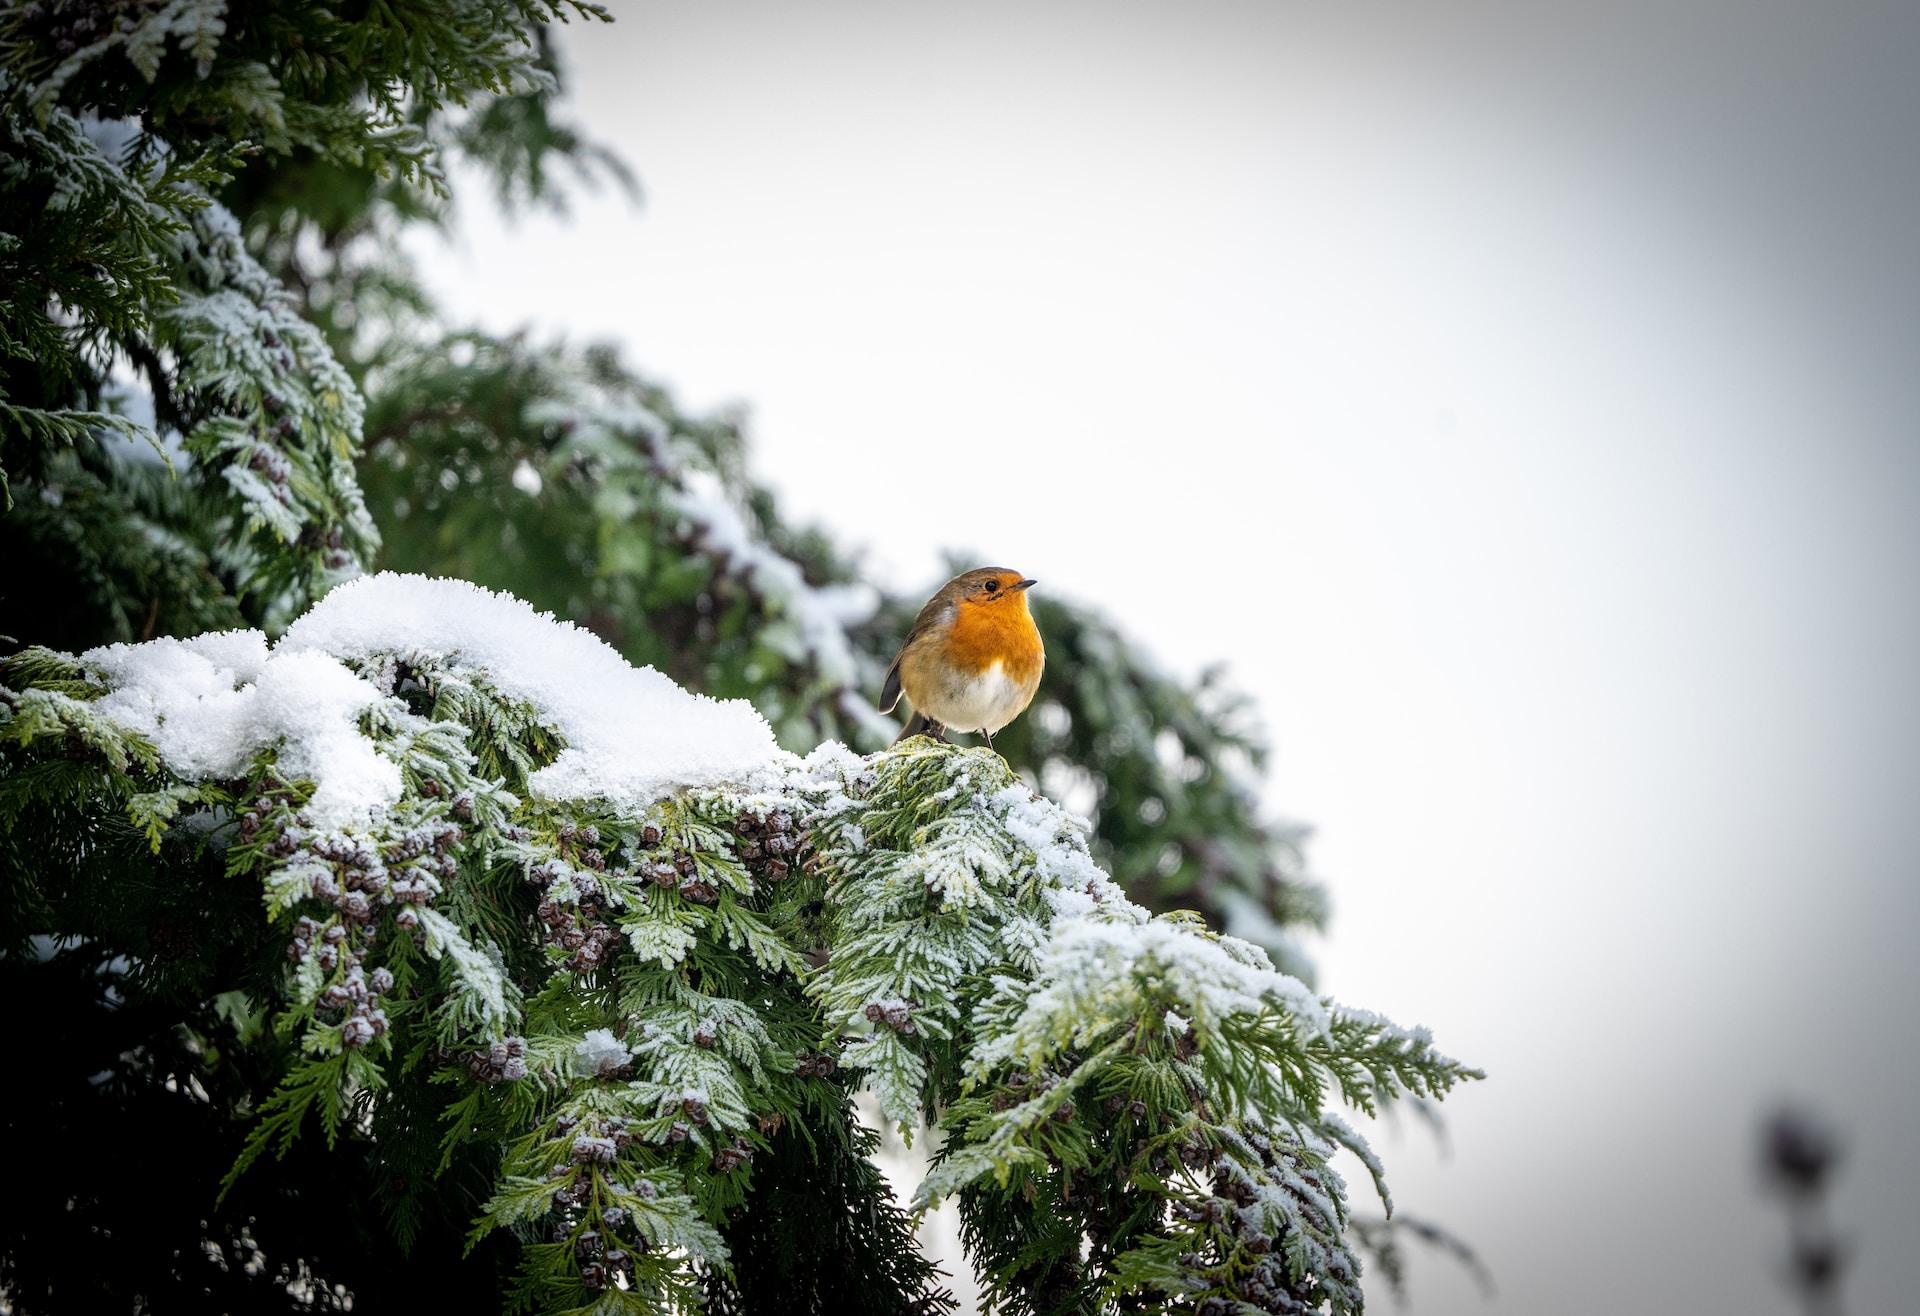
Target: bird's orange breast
(999, 632)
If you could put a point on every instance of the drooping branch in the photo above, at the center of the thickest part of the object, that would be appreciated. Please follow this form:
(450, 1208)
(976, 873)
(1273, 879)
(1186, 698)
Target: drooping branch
(650, 950)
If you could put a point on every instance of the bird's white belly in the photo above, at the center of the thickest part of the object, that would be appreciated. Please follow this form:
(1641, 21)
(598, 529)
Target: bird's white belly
(985, 702)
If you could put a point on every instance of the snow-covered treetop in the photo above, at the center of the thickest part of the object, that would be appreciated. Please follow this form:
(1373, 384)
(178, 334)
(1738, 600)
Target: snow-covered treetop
(525, 906)
(631, 734)
(210, 703)
(591, 878)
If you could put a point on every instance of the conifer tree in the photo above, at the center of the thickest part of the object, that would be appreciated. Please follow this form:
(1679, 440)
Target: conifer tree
(428, 950)
(115, 547)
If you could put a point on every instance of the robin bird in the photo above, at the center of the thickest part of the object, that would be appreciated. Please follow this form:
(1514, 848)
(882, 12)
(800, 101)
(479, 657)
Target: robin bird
(972, 660)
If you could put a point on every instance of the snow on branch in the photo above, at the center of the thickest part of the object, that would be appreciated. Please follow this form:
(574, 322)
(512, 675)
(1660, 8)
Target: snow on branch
(210, 704)
(642, 942)
(631, 734)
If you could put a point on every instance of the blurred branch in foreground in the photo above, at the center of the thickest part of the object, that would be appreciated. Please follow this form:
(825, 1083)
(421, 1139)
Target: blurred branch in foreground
(1799, 1153)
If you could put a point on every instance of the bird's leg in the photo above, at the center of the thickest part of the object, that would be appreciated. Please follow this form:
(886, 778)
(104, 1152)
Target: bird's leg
(936, 731)
(989, 735)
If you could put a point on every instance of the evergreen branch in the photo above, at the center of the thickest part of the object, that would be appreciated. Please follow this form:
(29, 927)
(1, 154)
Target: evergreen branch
(673, 989)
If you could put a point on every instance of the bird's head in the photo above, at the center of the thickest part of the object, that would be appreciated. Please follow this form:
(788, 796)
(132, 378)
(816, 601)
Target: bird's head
(988, 587)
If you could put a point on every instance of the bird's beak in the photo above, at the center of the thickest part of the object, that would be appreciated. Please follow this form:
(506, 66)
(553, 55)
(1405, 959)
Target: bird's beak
(1026, 584)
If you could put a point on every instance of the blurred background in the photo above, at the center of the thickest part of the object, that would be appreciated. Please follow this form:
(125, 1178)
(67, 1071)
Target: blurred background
(1519, 400)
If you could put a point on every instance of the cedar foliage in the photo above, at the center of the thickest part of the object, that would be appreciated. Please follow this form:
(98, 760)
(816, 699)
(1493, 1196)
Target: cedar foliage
(221, 395)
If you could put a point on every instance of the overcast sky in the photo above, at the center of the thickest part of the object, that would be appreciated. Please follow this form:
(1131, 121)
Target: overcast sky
(1520, 398)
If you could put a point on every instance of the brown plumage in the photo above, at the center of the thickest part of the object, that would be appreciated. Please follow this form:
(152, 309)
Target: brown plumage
(973, 658)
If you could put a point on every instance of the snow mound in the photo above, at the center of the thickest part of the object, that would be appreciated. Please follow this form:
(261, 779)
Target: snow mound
(632, 734)
(212, 703)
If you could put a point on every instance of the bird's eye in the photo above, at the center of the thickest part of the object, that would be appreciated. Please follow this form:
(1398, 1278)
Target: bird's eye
(993, 586)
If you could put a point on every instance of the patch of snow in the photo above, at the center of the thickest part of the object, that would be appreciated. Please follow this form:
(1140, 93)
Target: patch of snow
(632, 734)
(210, 704)
(110, 137)
(600, 1051)
(1092, 970)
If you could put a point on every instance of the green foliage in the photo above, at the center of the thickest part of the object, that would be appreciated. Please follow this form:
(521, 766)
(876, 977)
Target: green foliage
(86, 255)
(492, 460)
(1113, 1062)
(558, 475)
(105, 553)
(120, 126)
(588, 1057)
(358, 89)
(622, 1010)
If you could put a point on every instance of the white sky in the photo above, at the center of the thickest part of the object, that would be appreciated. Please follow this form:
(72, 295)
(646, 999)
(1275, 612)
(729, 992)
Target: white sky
(1521, 398)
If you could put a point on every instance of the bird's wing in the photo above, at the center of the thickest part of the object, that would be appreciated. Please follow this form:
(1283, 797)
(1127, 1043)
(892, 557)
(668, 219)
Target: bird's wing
(937, 610)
